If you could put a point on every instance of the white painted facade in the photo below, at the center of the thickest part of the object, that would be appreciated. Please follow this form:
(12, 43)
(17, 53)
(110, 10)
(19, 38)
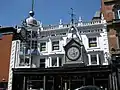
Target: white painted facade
(49, 42)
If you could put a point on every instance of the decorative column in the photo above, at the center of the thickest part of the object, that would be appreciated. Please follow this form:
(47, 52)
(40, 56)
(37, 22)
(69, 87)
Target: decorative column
(110, 81)
(57, 61)
(50, 62)
(89, 58)
(24, 83)
(98, 59)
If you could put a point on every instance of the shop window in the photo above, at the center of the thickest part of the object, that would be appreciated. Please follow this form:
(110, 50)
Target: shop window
(92, 42)
(42, 63)
(43, 46)
(55, 45)
(93, 59)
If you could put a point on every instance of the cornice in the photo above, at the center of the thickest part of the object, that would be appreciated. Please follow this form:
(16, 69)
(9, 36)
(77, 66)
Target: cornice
(7, 30)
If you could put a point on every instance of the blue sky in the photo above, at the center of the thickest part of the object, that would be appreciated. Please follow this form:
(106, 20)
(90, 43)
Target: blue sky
(12, 12)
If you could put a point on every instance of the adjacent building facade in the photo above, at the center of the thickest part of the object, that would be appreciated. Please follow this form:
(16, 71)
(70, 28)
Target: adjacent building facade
(6, 37)
(110, 10)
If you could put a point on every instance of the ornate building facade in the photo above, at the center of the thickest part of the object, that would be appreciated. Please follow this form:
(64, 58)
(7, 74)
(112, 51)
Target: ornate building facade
(64, 56)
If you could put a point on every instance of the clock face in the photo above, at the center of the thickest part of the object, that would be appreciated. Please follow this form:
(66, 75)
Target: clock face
(23, 33)
(73, 53)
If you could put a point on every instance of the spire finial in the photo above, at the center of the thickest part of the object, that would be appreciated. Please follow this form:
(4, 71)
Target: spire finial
(102, 17)
(32, 11)
(32, 5)
(60, 22)
(80, 19)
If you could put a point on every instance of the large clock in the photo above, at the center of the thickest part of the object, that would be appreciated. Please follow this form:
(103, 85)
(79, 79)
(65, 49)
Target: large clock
(73, 53)
(23, 33)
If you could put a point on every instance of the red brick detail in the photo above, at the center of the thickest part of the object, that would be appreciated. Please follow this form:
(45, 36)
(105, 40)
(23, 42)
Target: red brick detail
(5, 50)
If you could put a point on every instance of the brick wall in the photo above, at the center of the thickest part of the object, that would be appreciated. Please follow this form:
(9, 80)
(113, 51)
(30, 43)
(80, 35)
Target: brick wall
(5, 49)
(106, 9)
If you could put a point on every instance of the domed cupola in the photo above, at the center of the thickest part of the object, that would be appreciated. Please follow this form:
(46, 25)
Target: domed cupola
(31, 21)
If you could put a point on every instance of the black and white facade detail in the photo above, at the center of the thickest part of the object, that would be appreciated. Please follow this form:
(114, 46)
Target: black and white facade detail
(75, 54)
(57, 45)
(48, 42)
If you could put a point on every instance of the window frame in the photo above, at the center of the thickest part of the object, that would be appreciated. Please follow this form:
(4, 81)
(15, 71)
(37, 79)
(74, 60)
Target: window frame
(54, 58)
(24, 61)
(34, 44)
(41, 63)
(58, 61)
(92, 42)
(92, 57)
(54, 45)
(43, 47)
(98, 58)
(116, 11)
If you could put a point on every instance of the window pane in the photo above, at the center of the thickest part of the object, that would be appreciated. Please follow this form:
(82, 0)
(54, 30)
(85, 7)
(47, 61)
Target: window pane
(34, 44)
(55, 45)
(34, 34)
(92, 42)
(54, 61)
(93, 59)
(27, 61)
(42, 46)
(24, 61)
(60, 61)
(42, 63)
(100, 60)
(42, 60)
(53, 35)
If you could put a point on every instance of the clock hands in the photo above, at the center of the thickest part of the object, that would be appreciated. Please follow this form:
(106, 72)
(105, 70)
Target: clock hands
(73, 52)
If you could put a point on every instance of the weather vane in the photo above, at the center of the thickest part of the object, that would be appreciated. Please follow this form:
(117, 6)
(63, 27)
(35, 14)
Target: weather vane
(72, 16)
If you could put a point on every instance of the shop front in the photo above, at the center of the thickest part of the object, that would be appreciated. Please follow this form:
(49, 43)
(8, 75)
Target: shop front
(62, 78)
